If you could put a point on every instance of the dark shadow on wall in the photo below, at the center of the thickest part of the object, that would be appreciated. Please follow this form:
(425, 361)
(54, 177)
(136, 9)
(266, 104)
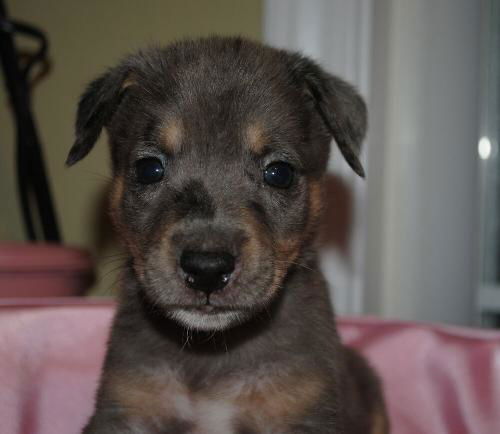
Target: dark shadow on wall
(336, 228)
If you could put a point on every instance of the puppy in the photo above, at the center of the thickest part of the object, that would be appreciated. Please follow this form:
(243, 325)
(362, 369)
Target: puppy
(219, 147)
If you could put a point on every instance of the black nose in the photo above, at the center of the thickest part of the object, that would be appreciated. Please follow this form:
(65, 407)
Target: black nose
(207, 271)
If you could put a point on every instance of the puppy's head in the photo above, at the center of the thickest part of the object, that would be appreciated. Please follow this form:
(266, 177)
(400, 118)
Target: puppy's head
(218, 149)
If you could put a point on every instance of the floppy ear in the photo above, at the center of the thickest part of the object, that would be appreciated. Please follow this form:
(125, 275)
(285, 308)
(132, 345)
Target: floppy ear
(95, 109)
(341, 108)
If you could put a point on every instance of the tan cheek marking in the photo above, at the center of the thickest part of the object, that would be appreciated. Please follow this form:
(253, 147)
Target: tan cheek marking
(255, 137)
(288, 250)
(257, 240)
(172, 135)
(163, 241)
(280, 401)
(285, 251)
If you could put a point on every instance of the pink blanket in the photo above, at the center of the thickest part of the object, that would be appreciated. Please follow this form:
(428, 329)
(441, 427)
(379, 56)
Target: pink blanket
(437, 379)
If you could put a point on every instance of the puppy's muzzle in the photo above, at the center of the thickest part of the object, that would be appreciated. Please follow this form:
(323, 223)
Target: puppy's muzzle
(207, 271)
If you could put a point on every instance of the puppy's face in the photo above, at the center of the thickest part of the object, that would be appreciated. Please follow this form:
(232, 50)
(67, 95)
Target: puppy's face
(218, 149)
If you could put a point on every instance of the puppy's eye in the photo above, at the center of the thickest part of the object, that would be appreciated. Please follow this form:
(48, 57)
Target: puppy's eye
(149, 170)
(279, 175)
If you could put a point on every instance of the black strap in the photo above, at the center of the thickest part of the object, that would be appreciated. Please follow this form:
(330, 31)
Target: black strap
(34, 191)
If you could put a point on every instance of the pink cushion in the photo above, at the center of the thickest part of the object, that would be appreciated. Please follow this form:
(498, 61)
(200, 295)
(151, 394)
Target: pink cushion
(438, 379)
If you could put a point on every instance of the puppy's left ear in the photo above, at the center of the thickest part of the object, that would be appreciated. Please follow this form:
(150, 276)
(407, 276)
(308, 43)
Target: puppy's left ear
(341, 108)
(95, 109)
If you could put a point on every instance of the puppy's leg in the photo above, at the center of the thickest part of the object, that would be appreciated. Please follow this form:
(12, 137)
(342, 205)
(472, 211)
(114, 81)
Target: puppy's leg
(367, 409)
(102, 423)
(106, 424)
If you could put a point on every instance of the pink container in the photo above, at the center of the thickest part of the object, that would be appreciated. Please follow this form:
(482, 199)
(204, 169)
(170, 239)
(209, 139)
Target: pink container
(43, 270)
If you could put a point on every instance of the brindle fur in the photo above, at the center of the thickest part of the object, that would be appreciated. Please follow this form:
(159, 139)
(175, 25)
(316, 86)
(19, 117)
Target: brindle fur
(217, 111)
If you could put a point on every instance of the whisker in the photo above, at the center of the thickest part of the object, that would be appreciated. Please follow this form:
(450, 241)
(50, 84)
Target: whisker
(99, 175)
(296, 263)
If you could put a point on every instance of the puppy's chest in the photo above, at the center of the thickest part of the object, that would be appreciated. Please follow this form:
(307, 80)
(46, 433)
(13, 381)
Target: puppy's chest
(199, 413)
(239, 404)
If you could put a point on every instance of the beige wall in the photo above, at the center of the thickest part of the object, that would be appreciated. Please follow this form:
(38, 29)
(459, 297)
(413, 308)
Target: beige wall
(85, 38)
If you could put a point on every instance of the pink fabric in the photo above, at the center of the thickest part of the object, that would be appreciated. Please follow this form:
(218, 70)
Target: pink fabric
(438, 379)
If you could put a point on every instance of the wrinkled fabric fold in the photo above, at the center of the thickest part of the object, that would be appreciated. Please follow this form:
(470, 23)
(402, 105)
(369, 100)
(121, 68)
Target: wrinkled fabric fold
(437, 379)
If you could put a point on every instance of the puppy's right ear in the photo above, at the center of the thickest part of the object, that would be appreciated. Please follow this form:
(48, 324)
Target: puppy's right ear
(95, 109)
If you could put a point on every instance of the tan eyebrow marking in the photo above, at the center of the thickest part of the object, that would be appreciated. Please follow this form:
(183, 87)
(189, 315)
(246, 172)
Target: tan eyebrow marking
(172, 135)
(255, 137)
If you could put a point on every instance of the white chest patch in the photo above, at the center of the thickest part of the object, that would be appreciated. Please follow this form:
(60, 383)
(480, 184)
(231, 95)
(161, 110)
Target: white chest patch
(222, 408)
(208, 416)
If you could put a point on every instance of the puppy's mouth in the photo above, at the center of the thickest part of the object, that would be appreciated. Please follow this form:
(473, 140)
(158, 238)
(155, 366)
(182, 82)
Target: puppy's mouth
(206, 304)
(207, 317)
(209, 287)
